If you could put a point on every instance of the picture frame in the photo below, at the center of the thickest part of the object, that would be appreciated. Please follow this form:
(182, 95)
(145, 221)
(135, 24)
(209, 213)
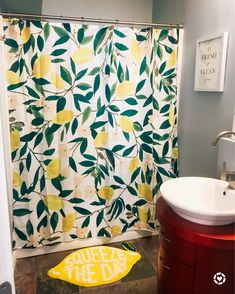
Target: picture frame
(210, 63)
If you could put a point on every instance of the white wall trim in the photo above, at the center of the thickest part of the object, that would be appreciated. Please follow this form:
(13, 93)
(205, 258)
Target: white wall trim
(6, 132)
(22, 253)
(6, 264)
(14, 258)
(179, 66)
(179, 78)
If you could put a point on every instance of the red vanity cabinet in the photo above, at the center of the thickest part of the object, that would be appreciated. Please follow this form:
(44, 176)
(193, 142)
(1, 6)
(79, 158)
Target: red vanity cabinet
(193, 258)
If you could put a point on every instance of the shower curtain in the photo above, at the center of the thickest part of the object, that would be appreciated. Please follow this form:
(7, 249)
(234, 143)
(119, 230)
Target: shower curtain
(93, 128)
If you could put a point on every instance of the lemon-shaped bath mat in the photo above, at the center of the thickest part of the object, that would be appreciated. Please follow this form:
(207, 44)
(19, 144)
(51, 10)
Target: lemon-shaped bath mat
(95, 266)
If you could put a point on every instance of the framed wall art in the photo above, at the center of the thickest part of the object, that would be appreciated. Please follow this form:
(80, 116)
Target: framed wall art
(210, 63)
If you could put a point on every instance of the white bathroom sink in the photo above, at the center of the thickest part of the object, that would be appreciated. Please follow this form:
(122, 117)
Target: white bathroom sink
(200, 200)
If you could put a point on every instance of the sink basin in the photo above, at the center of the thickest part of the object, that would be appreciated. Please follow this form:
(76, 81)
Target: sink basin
(200, 200)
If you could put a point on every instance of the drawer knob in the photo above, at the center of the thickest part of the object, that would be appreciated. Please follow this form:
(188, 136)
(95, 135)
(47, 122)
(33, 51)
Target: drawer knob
(164, 237)
(163, 265)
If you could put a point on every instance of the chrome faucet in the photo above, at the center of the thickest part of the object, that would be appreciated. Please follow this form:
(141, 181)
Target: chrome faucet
(225, 175)
(228, 176)
(219, 136)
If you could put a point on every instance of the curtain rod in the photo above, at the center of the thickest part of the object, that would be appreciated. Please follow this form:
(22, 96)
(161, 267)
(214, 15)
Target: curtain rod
(87, 19)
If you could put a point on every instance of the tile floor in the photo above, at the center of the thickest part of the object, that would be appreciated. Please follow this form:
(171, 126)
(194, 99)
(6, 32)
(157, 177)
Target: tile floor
(31, 274)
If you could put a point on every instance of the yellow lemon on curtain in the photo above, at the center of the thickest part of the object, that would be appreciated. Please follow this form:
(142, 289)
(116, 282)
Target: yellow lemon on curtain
(53, 202)
(101, 139)
(115, 230)
(42, 66)
(125, 123)
(12, 77)
(68, 222)
(172, 60)
(135, 51)
(172, 115)
(95, 266)
(82, 55)
(175, 153)
(63, 117)
(53, 168)
(15, 140)
(25, 35)
(134, 162)
(106, 192)
(125, 90)
(142, 213)
(16, 179)
(57, 81)
(145, 191)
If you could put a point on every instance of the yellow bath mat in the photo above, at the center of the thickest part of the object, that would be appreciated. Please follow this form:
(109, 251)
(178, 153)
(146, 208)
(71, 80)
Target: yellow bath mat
(95, 266)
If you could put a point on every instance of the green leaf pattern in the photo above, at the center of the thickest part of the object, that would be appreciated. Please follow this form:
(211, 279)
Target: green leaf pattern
(93, 127)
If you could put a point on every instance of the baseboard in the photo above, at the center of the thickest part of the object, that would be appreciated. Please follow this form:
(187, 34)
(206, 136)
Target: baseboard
(14, 257)
(22, 253)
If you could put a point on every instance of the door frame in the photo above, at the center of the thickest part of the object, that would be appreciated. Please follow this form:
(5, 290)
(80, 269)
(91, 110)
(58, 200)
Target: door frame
(6, 253)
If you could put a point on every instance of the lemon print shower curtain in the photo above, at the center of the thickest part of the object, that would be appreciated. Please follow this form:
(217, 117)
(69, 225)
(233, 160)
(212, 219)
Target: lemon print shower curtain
(93, 128)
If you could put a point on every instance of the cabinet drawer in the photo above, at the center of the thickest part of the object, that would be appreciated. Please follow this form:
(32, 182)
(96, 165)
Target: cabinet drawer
(173, 276)
(214, 271)
(178, 247)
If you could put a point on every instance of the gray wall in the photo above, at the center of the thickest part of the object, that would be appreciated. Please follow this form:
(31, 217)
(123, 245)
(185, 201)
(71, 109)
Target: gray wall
(201, 114)
(133, 10)
(21, 6)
